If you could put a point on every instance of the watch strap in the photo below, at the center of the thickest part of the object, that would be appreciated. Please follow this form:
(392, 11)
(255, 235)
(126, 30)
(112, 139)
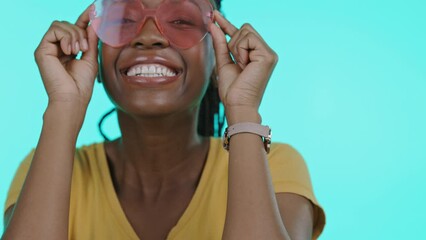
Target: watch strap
(247, 127)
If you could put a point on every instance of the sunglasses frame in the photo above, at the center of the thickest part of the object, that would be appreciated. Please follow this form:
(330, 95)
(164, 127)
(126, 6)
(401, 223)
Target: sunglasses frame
(152, 13)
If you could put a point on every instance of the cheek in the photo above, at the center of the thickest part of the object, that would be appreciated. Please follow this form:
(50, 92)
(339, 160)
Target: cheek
(203, 61)
(200, 63)
(108, 60)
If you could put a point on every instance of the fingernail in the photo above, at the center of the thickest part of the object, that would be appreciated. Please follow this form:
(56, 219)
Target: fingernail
(69, 49)
(84, 45)
(77, 47)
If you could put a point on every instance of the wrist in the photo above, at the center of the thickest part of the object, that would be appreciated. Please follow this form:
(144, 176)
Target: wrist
(248, 127)
(68, 116)
(242, 114)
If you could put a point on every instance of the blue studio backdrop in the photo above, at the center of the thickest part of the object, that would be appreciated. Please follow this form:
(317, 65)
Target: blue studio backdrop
(349, 92)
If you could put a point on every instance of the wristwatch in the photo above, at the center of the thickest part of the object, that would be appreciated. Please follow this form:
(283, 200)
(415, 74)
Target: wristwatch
(247, 127)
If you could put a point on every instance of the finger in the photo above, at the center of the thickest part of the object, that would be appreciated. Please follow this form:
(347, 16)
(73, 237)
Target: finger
(224, 24)
(65, 40)
(74, 33)
(57, 34)
(246, 40)
(250, 28)
(220, 46)
(91, 54)
(233, 45)
(66, 46)
(84, 19)
(243, 51)
(81, 37)
(244, 30)
(82, 23)
(252, 49)
(240, 51)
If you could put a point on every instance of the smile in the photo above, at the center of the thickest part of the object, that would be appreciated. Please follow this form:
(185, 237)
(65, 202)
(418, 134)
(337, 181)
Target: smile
(150, 70)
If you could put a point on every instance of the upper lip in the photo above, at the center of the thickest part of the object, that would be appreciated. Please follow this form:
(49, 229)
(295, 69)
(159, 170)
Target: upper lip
(148, 59)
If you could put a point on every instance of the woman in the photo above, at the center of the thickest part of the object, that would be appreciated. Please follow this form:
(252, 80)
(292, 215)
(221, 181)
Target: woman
(165, 177)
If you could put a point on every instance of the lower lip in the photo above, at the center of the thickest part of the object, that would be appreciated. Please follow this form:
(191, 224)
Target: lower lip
(148, 82)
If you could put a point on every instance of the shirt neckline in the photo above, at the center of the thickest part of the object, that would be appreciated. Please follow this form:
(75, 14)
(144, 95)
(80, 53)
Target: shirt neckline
(119, 212)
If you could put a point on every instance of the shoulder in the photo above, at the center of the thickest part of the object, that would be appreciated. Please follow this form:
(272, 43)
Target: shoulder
(82, 154)
(284, 150)
(91, 152)
(285, 157)
(89, 161)
(290, 174)
(286, 164)
(289, 171)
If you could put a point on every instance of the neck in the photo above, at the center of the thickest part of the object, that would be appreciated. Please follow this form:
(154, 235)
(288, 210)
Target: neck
(157, 152)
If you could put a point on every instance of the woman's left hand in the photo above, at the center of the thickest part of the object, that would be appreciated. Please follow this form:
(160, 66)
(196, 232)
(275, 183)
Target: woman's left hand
(244, 76)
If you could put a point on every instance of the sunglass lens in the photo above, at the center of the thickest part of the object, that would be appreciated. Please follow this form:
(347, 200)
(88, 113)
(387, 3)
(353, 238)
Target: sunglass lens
(116, 22)
(184, 23)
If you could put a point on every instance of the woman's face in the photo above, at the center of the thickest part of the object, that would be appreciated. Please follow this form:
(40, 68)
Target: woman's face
(180, 80)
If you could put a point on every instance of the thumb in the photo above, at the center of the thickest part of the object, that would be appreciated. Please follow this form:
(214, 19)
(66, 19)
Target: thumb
(220, 46)
(92, 54)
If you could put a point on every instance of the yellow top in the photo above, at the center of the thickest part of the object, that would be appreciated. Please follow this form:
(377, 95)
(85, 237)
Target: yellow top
(96, 213)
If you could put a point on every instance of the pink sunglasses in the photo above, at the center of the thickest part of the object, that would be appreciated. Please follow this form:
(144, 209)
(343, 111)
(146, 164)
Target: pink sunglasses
(184, 23)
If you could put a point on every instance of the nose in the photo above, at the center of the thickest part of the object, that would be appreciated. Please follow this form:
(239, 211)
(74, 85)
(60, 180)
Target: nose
(150, 37)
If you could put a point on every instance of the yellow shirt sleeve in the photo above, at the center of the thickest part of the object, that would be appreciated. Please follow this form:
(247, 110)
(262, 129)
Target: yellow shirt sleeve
(290, 174)
(18, 180)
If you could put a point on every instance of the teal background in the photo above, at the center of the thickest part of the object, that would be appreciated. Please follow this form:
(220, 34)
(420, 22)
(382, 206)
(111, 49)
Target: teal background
(349, 92)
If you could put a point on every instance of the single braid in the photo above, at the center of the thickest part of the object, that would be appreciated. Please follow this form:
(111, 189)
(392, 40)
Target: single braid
(218, 4)
(210, 118)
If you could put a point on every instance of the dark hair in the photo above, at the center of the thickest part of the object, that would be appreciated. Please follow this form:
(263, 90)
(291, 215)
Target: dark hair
(218, 4)
(211, 117)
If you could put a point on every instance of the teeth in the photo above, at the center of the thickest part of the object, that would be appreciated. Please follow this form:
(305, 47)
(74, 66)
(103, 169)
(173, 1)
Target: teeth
(151, 70)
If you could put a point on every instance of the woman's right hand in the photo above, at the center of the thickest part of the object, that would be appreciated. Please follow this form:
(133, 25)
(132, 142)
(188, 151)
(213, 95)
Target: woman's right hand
(66, 78)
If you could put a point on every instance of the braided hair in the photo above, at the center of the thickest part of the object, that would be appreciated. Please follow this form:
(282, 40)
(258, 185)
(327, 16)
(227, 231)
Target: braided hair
(218, 4)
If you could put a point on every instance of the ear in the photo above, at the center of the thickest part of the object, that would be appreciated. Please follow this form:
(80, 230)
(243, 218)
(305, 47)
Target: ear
(99, 77)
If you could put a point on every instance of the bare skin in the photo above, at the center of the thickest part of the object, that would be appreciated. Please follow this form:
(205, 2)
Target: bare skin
(146, 174)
